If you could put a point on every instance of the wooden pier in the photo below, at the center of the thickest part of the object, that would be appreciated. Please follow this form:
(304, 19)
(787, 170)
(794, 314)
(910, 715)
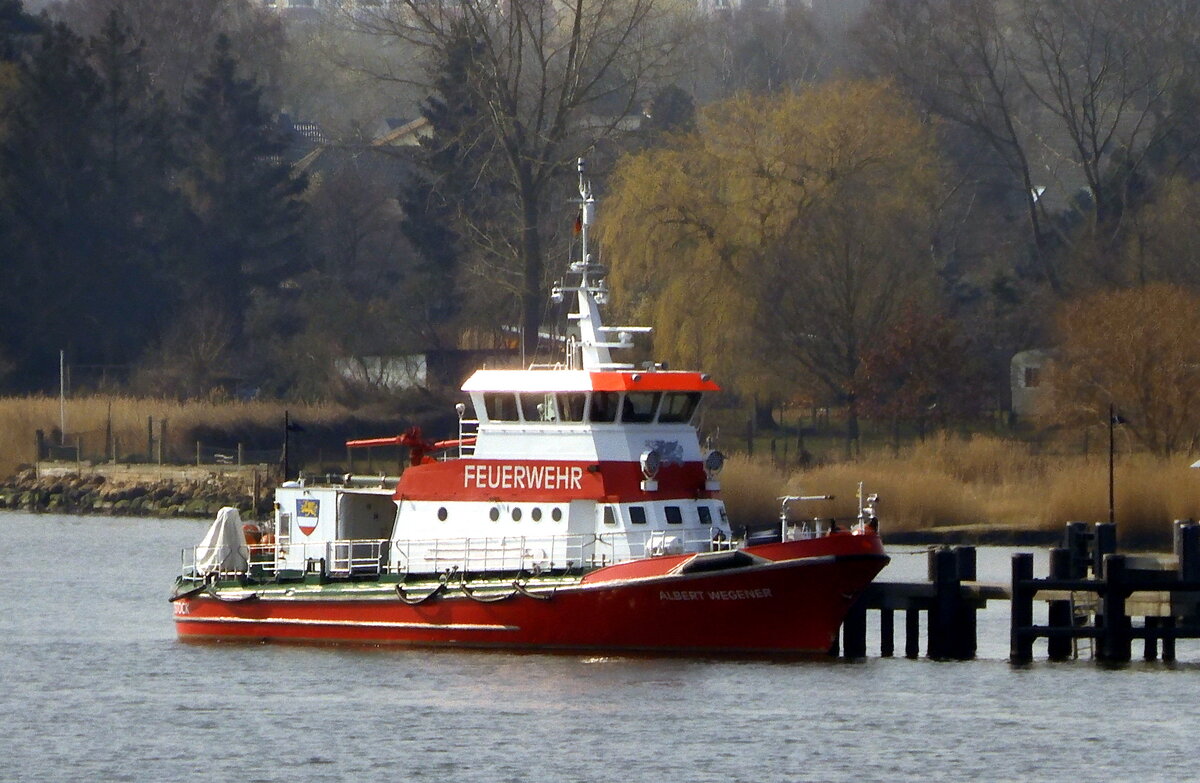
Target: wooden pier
(950, 599)
(1094, 595)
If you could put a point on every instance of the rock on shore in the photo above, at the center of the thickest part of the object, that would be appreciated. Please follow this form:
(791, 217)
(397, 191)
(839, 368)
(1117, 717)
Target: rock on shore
(94, 494)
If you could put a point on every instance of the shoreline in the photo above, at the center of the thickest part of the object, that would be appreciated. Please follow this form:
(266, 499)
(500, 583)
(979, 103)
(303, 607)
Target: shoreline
(199, 492)
(195, 493)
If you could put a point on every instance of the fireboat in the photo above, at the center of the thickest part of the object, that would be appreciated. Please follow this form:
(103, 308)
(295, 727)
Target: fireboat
(575, 510)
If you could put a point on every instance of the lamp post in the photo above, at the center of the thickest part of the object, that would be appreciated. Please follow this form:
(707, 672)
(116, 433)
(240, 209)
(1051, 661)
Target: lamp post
(1114, 419)
(287, 428)
(1112, 506)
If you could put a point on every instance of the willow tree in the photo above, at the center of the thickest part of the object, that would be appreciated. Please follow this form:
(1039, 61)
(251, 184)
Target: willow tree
(781, 239)
(555, 77)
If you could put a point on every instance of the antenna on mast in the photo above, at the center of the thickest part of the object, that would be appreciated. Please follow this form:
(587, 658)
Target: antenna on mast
(595, 339)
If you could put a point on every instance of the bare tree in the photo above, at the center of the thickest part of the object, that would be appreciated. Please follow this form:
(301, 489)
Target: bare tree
(955, 58)
(1100, 69)
(762, 49)
(555, 78)
(1070, 94)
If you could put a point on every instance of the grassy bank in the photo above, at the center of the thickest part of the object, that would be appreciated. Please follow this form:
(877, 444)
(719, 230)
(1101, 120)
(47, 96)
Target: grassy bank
(985, 483)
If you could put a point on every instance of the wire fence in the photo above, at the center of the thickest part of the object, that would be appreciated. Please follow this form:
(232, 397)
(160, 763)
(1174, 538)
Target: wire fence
(98, 446)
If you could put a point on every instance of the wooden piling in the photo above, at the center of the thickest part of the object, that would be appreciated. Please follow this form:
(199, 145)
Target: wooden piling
(1021, 639)
(1167, 624)
(854, 631)
(965, 561)
(1116, 639)
(1188, 550)
(1077, 539)
(947, 603)
(1060, 648)
(912, 632)
(966, 638)
(887, 633)
(1150, 646)
(1104, 542)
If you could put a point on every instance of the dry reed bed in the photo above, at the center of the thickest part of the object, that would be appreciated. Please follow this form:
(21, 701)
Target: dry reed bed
(982, 481)
(943, 482)
(21, 417)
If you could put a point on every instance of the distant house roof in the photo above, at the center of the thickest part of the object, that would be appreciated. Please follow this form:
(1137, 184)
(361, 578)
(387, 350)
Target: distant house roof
(408, 134)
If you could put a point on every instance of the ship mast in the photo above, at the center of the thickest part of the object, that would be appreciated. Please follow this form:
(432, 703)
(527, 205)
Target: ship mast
(596, 340)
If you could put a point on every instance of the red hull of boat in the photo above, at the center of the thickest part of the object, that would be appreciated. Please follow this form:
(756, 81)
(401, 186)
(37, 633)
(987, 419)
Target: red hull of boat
(793, 602)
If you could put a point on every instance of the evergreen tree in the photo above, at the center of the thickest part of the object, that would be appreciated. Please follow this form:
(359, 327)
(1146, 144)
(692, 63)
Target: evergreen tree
(244, 202)
(450, 195)
(49, 178)
(17, 29)
(138, 210)
(84, 172)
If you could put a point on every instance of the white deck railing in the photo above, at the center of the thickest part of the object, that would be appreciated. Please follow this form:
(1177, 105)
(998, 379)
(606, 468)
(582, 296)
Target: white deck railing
(531, 554)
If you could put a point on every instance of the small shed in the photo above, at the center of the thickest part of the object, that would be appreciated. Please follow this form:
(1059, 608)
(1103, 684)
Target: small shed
(1029, 381)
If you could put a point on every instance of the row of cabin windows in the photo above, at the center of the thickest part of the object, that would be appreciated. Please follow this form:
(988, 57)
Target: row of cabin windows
(602, 407)
(517, 514)
(673, 514)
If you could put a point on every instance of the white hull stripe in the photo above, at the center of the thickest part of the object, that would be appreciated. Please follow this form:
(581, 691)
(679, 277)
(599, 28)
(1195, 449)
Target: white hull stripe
(353, 623)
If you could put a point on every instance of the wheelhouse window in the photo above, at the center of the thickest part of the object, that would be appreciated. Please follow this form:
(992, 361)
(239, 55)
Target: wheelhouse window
(639, 407)
(571, 406)
(500, 406)
(604, 406)
(674, 515)
(705, 514)
(610, 515)
(678, 407)
(538, 407)
(637, 515)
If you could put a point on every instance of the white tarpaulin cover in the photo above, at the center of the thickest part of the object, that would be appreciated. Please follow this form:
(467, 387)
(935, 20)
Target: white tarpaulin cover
(224, 545)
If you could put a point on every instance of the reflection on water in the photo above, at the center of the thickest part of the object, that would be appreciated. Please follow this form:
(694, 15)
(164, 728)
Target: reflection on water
(97, 688)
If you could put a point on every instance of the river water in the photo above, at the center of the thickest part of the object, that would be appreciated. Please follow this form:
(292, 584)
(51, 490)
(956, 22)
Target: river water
(96, 687)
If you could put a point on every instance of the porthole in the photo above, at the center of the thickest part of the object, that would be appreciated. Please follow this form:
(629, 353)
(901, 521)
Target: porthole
(516, 515)
(536, 514)
(494, 514)
(442, 514)
(556, 514)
